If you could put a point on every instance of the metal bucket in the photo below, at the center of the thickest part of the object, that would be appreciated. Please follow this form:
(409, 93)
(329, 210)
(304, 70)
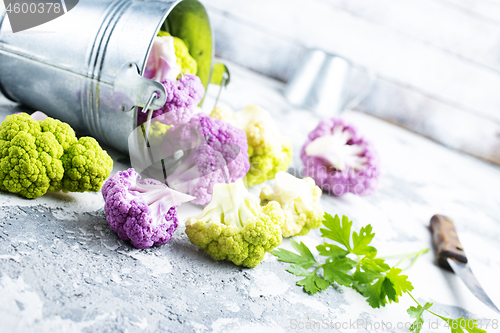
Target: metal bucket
(85, 67)
(319, 83)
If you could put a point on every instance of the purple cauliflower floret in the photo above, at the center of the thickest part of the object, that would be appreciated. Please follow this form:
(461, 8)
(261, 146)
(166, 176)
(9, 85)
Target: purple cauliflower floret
(340, 160)
(144, 212)
(183, 96)
(213, 152)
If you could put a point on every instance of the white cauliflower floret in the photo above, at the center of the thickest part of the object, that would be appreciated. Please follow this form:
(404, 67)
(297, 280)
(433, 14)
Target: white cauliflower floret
(299, 198)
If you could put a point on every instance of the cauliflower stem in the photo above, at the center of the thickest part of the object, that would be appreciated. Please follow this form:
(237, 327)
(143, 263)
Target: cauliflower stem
(235, 227)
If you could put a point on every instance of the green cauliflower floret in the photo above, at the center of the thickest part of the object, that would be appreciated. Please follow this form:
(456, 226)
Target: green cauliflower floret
(235, 227)
(86, 166)
(66, 137)
(157, 132)
(43, 155)
(64, 134)
(269, 152)
(299, 198)
(29, 158)
(185, 61)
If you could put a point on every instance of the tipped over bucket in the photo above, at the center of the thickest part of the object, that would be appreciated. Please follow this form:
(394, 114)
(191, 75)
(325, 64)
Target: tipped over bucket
(85, 67)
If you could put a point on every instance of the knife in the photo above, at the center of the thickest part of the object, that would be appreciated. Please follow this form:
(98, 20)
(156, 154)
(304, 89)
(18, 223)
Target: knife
(450, 255)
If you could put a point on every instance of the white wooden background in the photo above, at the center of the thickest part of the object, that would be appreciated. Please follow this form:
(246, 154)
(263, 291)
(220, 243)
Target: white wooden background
(437, 62)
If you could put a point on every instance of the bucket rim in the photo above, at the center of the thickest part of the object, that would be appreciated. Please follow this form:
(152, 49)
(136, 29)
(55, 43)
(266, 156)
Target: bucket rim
(158, 28)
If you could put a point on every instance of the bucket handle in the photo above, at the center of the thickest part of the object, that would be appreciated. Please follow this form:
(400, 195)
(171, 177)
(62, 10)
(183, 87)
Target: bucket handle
(131, 89)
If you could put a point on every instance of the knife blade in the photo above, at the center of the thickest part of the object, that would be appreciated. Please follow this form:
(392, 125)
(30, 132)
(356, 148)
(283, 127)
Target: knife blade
(450, 255)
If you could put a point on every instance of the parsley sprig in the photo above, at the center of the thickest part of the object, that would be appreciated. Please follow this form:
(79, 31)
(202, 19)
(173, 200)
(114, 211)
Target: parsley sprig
(351, 262)
(459, 325)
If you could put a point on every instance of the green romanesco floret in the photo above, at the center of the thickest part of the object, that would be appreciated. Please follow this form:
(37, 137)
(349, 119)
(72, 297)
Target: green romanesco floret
(185, 61)
(29, 158)
(299, 198)
(86, 166)
(235, 227)
(269, 152)
(37, 156)
(64, 134)
(66, 137)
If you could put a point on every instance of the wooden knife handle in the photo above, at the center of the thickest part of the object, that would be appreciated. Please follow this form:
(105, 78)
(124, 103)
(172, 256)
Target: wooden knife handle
(445, 239)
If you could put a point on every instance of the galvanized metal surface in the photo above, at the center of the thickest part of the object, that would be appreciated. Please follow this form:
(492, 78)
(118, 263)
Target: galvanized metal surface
(68, 67)
(319, 83)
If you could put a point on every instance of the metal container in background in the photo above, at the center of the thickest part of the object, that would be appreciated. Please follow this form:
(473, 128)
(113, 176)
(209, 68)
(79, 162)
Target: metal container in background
(319, 83)
(85, 67)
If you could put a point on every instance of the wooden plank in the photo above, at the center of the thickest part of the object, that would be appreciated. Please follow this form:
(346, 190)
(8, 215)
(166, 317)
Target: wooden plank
(453, 127)
(397, 104)
(389, 100)
(393, 55)
(483, 9)
(254, 49)
(434, 22)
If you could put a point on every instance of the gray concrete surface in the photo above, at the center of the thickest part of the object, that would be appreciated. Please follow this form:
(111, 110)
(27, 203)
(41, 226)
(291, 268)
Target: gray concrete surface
(63, 270)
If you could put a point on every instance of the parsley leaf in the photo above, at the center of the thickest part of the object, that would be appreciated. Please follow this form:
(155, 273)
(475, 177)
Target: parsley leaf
(336, 232)
(367, 277)
(336, 271)
(375, 293)
(312, 283)
(400, 283)
(303, 250)
(332, 251)
(374, 265)
(368, 270)
(305, 259)
(361, 241)
(418, 314)
(378, 292)
(388, 288)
